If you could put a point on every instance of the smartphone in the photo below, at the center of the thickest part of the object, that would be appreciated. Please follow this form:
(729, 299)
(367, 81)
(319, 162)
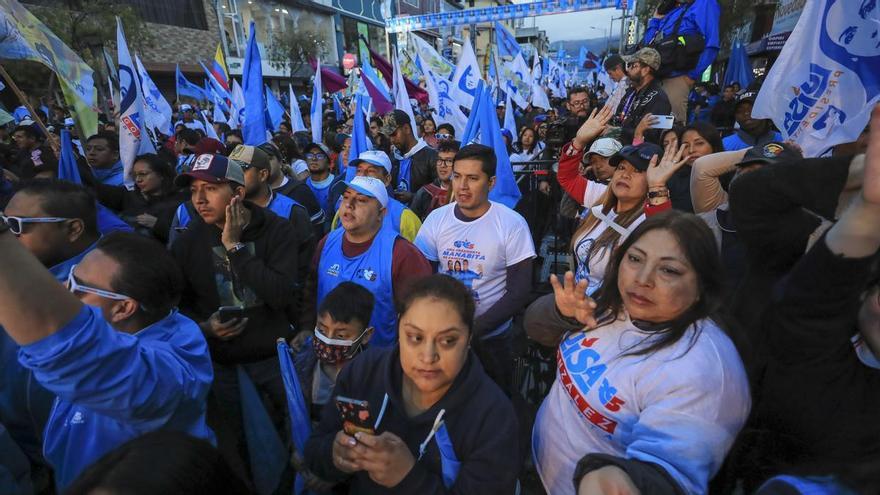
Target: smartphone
(229, 312)
(663, 122)
(355, 415)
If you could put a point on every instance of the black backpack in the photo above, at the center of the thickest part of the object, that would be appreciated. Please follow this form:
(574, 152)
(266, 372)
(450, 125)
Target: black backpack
(678, 53)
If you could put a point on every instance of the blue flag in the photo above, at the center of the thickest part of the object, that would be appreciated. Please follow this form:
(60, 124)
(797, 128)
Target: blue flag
(506, 42)
(739, 69)
(186, 88)
(267, 453)
(300, 423)
(212, 83)
(276, 109)
(337, 108)
(254, 127)
(67, 170)
(359, 140)
(316, 115)
(485, 122)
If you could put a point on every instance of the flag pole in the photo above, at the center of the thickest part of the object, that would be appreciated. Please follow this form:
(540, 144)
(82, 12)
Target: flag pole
(34, 115)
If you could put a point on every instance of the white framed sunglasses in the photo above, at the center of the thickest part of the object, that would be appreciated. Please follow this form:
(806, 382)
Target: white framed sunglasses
(73, 286)
(16, 224)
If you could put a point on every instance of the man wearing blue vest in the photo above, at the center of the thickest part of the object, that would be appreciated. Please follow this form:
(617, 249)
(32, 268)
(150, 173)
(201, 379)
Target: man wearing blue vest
(365, 252)
(376, 164)
(327, 187)
(415, 160)
(122, 362)
(751, 132)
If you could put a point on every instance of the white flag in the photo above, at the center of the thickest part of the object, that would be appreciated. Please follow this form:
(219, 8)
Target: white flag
(429, 60)
(466, 76)
(515, 80)
(157, 111)
(133, 140)
(317, 113)
(296, 119)
(218, 112)
(446, 110)
(822, 88)
(209, 126)
(401, 98)
(236, 113)
(539, 95)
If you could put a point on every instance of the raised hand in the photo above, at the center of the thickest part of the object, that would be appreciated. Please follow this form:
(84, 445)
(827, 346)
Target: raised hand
(572, 300)
(595, 125)
(660, 170)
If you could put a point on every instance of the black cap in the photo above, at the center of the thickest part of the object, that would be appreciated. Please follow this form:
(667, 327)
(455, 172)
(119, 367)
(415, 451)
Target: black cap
(639, 156)
(770, 153)
(748, 96)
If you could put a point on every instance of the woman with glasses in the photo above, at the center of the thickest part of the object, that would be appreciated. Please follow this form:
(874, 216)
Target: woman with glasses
(149, 207)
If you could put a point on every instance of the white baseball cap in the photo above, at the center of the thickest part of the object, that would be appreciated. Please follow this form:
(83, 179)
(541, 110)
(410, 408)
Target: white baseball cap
(605, 147)
(377, 158)
(186, 107)
(370, 186)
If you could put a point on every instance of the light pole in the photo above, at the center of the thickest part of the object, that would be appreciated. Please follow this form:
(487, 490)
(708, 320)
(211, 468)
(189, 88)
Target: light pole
(605, 33)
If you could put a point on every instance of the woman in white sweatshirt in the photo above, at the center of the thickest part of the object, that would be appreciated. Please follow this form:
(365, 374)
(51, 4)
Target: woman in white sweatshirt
(650, 391)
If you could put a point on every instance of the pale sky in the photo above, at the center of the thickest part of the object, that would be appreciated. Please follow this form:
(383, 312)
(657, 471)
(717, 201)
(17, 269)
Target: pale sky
(577, 25)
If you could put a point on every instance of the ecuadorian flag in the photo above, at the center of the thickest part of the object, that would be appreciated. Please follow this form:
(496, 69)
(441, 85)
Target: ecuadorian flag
(218, 69)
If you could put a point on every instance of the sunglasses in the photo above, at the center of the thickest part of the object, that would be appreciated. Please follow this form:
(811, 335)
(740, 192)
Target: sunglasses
(443, 136)
(16, 224)
(73, 286)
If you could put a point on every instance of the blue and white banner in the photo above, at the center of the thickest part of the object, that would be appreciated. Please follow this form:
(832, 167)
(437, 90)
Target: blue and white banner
(133, 141)
(466, 76)
(401, 97)
(446, 109)
(316, 115)
(539, 95)
(822, 88)
(157, 110)
(492, 14)
(296, 120)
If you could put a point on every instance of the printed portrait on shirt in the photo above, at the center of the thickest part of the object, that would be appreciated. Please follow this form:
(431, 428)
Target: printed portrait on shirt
(230, 288)
(464, 263)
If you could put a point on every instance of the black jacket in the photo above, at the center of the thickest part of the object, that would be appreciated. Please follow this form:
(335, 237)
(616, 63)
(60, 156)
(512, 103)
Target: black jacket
(479, 418)
(130, 204)
(651, 99)
(818, 399)
(775, 211)
(300, 192)
(423, 169)
(260, 277)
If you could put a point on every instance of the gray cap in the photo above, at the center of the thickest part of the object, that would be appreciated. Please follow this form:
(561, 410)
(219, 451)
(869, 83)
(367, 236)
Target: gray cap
(647, 56)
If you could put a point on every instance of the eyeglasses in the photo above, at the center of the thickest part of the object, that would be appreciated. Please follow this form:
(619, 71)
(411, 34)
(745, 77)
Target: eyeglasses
(581, 103)
(16, 224)
(444, 163)
(443, 136)
(142, 175)
(315, 156)
(73, 286)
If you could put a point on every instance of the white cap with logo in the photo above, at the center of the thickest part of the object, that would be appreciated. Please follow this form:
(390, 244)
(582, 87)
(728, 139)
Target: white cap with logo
(370, 186)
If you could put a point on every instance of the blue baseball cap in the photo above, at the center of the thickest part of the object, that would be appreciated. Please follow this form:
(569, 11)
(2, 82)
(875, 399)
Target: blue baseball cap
(370, 186)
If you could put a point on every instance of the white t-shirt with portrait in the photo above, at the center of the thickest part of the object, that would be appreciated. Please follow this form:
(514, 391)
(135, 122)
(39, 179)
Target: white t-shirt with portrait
(591, 266)
(477, 252)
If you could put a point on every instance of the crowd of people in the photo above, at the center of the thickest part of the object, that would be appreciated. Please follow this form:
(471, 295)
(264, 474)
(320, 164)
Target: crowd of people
(717, 328)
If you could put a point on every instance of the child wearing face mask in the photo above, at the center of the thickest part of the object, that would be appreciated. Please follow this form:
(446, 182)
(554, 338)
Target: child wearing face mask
(341, 333)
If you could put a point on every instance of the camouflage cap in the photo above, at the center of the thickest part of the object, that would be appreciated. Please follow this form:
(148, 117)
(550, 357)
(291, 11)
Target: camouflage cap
(647, 56)
(393, 120)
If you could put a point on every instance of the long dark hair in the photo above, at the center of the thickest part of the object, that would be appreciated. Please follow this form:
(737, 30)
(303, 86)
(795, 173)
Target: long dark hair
(708, 132)
(534, 141)
(289, 149)
(161, 168)
(698, 245)
(444, 288)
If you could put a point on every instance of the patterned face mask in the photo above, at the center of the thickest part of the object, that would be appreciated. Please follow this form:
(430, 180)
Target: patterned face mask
(335, 351)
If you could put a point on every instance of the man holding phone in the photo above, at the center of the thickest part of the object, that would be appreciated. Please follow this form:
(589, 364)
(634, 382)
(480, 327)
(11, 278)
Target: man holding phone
(645, 94)
(237, 256)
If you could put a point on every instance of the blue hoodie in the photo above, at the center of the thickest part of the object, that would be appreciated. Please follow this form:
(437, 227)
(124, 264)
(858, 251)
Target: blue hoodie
(112, 386)
(701, 18)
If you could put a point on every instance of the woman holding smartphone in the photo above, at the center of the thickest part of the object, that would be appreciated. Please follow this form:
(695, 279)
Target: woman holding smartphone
(439, 423)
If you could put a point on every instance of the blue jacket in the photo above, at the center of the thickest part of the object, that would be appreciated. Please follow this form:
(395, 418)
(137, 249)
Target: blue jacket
(740, 140)
(701, 18)
(113, 176)
(112, 386)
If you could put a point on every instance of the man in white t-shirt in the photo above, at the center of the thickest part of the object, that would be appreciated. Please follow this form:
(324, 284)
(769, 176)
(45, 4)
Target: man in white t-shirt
(488, 247)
